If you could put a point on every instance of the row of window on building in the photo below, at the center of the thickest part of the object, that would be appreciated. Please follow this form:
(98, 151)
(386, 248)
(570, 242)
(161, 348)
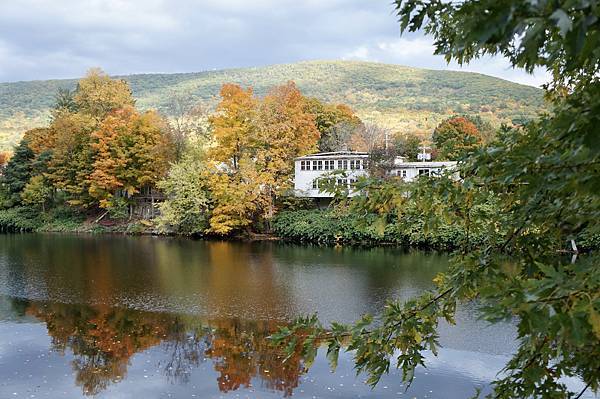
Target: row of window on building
(343, 164)
(339, 182)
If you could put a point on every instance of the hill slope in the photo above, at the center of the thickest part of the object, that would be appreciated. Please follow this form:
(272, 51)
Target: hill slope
(402, 98)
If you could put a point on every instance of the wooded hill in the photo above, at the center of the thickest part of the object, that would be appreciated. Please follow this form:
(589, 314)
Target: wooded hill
(410, 100)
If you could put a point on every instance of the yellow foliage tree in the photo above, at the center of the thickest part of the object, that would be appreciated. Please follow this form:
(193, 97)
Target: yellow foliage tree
(131, 151)
(98, 94)
(255, 142)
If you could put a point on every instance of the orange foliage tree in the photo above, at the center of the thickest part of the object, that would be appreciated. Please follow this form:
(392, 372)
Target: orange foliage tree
(131, 151)
(456, 137)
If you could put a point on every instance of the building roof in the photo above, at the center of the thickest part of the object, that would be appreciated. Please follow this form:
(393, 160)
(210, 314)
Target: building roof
(335, 154)
(428, 164)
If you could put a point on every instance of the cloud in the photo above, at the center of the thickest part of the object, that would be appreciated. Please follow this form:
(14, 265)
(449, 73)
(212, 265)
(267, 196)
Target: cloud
(44, 39)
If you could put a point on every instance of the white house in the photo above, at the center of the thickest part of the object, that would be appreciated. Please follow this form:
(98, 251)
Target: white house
(409, 171)
(310, 168)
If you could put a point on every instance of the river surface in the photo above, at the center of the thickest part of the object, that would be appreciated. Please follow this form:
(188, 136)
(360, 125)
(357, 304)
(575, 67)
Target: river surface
(145, 317)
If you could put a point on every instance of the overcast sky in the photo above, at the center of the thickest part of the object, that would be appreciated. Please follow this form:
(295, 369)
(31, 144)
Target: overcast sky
(44, 39)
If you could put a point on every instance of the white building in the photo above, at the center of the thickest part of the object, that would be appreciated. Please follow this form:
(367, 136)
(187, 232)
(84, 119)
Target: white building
(409, 171)
(310, 169)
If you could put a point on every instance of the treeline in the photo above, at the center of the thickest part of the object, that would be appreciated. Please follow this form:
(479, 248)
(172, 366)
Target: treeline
(222, 172)
(402, 98)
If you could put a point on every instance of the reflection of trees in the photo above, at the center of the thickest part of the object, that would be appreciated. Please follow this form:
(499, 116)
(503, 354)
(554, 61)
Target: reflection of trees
(103, 339)
(242, 351)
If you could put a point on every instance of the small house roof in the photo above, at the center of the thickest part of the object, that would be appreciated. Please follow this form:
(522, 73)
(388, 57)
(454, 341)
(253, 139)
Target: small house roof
(335, 155)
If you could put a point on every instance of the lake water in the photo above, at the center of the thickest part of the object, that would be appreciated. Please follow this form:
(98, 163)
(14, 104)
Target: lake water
(146, 317)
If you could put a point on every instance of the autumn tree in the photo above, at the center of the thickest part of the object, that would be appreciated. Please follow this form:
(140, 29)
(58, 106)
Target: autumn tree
(456, 137)
(336, 124)
(255, 142)
(97, 94)
(72, 157)
(368, 137)
(4, 157)
(285, 130)
(188, 120)
(131, 151)
(233, 127)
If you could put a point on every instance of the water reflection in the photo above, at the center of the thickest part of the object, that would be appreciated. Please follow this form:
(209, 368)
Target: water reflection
(145, 317)
(102, 340)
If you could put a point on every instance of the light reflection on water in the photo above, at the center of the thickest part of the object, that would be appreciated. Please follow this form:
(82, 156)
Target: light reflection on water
(122, 317)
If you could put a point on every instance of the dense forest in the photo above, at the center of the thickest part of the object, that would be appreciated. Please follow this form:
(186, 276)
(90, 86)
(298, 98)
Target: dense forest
(407, 100)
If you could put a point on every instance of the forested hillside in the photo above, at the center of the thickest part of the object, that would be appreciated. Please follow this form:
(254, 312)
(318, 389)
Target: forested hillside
(404, 99)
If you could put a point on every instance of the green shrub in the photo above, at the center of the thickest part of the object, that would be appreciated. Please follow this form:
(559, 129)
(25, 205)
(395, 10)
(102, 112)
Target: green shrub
(19, 219)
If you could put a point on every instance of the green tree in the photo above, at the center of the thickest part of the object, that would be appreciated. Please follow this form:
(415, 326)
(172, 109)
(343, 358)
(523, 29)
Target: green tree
(407, 146)
(16, 174)
(546, 179)
(37, 192)
(187, 207)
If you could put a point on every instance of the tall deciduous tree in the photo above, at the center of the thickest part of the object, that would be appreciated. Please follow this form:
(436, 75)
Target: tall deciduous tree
(252, 157)
(131, 151)
(335, 122)
(456, 137)
(72, 156)
(186, 209)
(97, 94)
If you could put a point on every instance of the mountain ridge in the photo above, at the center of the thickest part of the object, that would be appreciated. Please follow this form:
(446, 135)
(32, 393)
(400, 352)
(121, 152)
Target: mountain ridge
(405, 99)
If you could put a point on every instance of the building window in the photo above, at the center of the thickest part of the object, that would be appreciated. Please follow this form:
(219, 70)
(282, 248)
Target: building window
(304, 166)
(315, 184)
(329, 165)
(342, 182)
(340, 164)
(352, 164)
(358, 164)
(319, 165)
(423, 172)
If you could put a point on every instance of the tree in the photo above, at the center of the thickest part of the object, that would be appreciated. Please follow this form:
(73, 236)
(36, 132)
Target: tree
(455, 138)
(188, 121)
(72, 157)
(407, 146)
(546, 179)
(232, 125)
(65, 101)
(251, 161)
(97, 94)
(16, 174)
(131, 151)
(335, 122)
(37, 192)
(4, 158)
(186, 209)
(368, 137)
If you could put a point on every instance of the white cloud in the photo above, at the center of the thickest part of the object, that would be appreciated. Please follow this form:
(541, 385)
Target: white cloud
(62, 38)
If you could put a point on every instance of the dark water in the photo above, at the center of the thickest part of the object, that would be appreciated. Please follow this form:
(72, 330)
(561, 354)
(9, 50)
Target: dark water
(122, 317)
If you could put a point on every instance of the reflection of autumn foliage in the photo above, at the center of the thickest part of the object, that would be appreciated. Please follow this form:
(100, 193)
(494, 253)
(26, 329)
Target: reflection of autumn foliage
(103, 339)
(241, 351)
